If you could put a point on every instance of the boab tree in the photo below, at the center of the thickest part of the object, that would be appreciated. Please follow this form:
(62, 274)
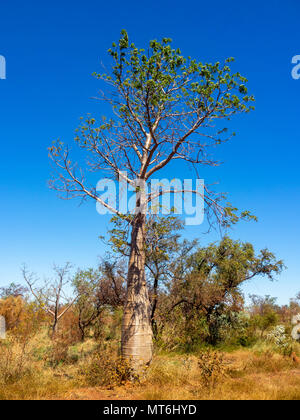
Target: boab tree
(165, 108)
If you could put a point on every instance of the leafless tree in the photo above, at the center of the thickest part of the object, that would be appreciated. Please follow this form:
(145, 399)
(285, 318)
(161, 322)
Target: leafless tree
(51, 296)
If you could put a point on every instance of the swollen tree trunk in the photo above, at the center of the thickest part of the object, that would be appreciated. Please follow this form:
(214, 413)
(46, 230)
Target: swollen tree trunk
(136, 328)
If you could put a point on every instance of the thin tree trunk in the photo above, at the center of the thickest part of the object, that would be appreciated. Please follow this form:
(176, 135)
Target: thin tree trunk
(54, 328)
(82, 331)
(137, 343)
(154, 305)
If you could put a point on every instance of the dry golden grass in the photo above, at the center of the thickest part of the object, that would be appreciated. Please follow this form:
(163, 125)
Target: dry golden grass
(258, 373)
(249, 376)
(35, 387)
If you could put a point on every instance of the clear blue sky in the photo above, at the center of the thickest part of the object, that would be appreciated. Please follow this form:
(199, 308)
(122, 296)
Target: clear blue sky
(52, 48)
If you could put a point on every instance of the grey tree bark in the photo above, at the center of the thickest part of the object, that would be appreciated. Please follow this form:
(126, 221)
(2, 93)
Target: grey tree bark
(137, 343)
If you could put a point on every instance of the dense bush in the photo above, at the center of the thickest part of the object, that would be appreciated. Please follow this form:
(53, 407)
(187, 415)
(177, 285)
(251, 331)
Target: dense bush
(108, 368)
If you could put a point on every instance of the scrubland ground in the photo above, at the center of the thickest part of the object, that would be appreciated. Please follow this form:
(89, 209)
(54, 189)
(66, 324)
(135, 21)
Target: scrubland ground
(43, 369)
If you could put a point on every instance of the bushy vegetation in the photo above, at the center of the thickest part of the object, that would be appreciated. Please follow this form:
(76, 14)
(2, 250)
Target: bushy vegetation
(203, 330)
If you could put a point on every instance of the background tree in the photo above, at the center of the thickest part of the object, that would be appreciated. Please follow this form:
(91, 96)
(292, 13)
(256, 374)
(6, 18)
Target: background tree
(165, 108)
(209, 282)
(97, 290)
(51, 296)
(88, 307)
(265, 312)
(163, 246)
(286, 312)
(14, 290)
